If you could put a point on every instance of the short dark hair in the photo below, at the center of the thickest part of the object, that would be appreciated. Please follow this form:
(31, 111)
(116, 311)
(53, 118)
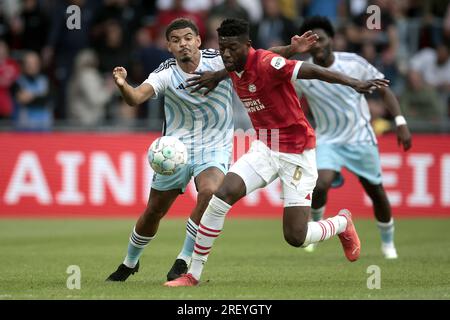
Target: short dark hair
(181, 23)
(233, 28)
(317, 22)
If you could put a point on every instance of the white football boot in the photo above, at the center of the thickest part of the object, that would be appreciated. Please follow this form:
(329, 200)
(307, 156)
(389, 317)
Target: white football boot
(389, 251)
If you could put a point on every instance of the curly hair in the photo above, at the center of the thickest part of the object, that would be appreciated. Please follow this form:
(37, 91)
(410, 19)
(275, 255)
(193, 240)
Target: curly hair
(233, 28)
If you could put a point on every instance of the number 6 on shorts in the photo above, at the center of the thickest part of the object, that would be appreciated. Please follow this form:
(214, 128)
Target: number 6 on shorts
(297, 174)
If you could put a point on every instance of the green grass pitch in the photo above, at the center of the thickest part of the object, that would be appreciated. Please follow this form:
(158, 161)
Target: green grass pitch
(250, 260)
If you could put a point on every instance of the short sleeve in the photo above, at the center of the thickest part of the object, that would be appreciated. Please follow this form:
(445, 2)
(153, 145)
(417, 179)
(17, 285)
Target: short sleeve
(278, 68)
(298, 88)
(366, 70)
(159, 78)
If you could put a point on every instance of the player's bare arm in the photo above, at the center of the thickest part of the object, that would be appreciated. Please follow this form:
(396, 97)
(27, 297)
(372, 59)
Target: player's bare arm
(207, 79)
(210, 80)
(403, 134)
(313, 71)
(132, 96)
(299, 44)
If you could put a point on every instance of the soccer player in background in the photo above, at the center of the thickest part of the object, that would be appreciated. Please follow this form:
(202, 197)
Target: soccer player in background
(263, 81)
(345, 137)
(204, 123)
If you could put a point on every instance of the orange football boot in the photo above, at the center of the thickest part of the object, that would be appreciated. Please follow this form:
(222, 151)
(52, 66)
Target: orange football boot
(186, 280)
(349, 237)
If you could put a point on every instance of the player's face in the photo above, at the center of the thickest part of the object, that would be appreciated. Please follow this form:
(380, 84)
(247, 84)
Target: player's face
(234, 51)
(322, 49)
(183, 44)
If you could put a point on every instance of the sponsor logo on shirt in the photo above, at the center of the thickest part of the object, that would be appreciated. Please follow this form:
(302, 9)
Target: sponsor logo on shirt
(253, 105)
(278, 62)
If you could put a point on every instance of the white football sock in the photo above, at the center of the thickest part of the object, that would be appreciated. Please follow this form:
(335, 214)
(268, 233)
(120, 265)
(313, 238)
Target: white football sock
(325, 229)
(136, 246)
(386, 231)
(209, 229)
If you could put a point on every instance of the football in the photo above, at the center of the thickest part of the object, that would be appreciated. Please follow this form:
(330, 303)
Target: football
(167, 155)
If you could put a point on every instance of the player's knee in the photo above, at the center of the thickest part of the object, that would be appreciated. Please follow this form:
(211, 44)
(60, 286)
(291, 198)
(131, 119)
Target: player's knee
(379, 191)
(223, 194)
(295, 238)
(205, 194)
(227, 194)
(321, 188)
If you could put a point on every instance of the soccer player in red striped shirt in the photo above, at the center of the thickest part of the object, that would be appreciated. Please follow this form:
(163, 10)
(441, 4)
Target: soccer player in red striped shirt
(285, 147)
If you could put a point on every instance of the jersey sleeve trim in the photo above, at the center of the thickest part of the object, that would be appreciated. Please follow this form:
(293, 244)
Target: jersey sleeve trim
(154, 86)
(296, 69)
(165, 65)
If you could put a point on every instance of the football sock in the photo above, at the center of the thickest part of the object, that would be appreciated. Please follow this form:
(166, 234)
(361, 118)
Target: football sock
(209, 229)
(386, 231)
(135, 248)
(317, 214)
(189, 241)
(325, 229)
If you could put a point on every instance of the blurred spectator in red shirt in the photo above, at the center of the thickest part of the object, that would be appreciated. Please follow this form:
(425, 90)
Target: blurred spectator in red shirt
(9, 72)
(165, 17)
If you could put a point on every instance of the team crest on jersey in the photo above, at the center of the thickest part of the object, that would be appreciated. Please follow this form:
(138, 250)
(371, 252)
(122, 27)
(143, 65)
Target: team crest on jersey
(251, 87)
(278, 62)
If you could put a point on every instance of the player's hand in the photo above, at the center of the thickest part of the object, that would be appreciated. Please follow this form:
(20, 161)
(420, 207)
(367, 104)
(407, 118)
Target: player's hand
(207, 79)
(119, 75)
(369, 86)
(303, 43)
(404, 137)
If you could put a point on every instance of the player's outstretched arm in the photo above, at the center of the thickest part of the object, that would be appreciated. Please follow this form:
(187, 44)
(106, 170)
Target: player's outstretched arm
(299, 44)
(313, 71)
(207, 79)
(403, 134)
(132, 96)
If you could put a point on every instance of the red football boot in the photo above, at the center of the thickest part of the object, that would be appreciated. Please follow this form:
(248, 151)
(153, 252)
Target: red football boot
(349, 238)
(186, 280)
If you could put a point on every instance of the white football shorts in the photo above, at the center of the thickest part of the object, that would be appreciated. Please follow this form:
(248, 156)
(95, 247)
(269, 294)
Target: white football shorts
(297, 172)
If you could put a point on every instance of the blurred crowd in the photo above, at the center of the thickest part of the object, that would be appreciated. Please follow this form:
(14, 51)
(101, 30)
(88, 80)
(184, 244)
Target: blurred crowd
(52, 76)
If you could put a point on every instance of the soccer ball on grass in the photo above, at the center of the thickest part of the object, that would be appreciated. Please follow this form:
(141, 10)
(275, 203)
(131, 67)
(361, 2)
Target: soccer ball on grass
(167, 155)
